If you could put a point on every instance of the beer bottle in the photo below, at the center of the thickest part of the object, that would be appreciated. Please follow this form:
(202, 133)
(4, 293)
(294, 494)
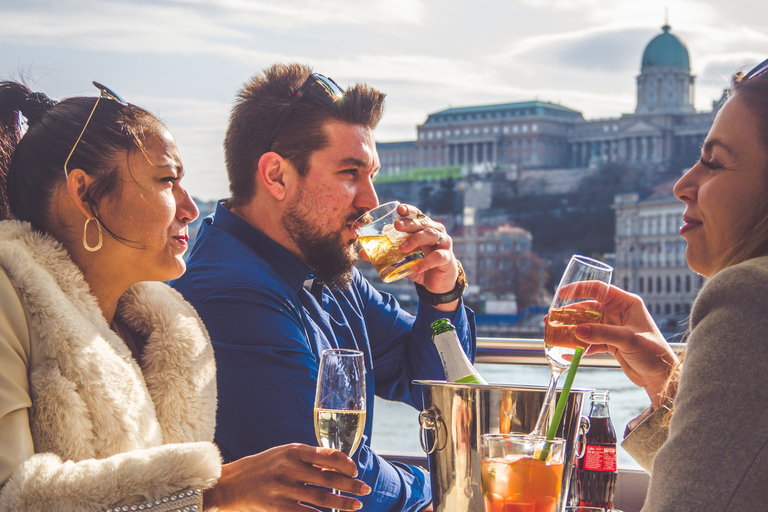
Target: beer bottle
(456, 364)
(597, 472)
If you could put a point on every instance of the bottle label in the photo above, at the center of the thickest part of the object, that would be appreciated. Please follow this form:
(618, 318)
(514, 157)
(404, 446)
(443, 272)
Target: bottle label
(599, 458)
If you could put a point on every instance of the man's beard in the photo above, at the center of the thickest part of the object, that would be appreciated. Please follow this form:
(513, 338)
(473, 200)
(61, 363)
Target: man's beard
(328, 255)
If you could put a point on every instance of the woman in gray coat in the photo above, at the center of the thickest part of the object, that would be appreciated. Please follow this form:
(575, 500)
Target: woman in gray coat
(704, 439)
(107, 376)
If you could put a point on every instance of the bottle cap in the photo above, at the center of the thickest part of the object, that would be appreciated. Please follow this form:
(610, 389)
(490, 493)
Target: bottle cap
(441, 325)
(601, 394)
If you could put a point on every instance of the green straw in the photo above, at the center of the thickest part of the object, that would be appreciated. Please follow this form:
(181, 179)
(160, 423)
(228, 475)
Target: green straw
(561, 402)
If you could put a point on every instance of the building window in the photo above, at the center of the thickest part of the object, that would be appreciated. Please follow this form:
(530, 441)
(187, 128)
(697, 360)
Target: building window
(669, 284)
(658, 285)
(626, 284)
(687, 283)
(678, 284)
(650, 285)
(640, 285)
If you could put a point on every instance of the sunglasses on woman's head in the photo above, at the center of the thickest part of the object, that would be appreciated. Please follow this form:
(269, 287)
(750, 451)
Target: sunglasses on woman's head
(329, 85)
(106, 93)
(757, 70)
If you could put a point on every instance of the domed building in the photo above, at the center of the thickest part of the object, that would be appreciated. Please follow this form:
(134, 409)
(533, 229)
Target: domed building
(663, 134)
(534, 148)
(665, 83)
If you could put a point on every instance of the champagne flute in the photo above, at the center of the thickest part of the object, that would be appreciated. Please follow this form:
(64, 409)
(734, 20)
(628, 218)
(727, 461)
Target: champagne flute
(570, 308)
(340, 400)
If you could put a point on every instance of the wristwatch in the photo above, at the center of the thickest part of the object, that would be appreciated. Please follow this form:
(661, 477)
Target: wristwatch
(434, 299)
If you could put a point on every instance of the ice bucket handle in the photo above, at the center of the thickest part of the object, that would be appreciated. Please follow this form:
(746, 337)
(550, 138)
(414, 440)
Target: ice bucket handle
(430, 419)
(584, 425)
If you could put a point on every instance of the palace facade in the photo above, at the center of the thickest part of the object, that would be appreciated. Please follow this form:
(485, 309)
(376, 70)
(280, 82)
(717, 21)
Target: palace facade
(664, 133)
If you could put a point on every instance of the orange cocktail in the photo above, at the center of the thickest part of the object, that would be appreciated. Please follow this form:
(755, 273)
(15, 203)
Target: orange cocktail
(515, 479)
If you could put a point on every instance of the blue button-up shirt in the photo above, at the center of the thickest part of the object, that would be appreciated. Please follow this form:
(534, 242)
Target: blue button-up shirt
(268, 331)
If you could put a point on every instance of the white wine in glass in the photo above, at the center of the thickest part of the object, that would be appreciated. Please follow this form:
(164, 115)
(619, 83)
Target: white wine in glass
(570, 307)
(340, 400)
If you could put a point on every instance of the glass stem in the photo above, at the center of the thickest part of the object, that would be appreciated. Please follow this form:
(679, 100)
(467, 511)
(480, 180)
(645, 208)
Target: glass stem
(548, 406)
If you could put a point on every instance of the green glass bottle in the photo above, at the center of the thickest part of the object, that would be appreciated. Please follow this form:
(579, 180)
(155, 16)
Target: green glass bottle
(456, 364)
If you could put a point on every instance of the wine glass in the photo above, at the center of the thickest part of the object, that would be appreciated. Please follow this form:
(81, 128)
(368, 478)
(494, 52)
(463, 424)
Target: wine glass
(340, 400)
(570, 307)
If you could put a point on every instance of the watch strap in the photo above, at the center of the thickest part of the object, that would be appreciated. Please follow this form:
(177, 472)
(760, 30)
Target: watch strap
(435, 299)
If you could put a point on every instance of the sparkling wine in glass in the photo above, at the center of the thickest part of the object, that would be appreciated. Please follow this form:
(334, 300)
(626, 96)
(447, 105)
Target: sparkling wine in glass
(570, 307)
(340, 400)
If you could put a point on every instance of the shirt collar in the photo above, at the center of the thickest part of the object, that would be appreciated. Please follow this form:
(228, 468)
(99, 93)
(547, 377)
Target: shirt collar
(290, 268)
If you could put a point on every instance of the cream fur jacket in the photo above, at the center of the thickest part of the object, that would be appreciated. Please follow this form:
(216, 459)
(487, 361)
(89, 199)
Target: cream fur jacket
(83, 427)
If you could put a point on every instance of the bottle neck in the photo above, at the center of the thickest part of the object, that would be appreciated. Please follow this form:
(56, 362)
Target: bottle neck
(599, 410)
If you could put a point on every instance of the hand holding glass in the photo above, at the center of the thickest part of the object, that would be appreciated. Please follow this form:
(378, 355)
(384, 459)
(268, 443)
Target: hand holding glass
(380, 240)
(570, 308)
(340, 400)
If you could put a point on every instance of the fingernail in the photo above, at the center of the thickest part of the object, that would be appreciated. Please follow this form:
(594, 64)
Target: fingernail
(357, 505)
(366, 489)
(583, 331)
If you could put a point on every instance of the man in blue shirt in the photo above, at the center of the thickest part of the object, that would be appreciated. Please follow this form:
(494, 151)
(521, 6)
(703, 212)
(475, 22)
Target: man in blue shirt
(271, 275)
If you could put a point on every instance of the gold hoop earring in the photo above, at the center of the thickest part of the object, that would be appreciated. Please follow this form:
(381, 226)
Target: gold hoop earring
(85, 235)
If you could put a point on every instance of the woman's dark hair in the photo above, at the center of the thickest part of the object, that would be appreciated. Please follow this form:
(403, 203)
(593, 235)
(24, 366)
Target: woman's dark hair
(32, 163)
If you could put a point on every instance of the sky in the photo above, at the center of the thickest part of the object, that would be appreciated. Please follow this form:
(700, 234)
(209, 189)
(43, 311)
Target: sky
(185, 60)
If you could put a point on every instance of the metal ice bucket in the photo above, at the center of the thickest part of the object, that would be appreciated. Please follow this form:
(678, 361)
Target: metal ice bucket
(456, 415)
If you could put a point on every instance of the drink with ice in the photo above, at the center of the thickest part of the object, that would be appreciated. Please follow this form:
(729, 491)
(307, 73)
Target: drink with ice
(381, 242)
(385, 254)
(515, 479)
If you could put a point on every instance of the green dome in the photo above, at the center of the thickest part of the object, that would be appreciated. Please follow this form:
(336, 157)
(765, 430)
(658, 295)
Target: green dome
(666, 50)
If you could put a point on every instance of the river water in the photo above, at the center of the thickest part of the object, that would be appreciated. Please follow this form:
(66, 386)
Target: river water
(396, 425)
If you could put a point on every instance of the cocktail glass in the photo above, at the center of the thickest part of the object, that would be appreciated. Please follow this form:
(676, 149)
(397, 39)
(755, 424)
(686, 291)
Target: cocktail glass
(515, 479)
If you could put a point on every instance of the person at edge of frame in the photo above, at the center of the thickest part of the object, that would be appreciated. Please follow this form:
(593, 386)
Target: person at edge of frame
(271, 274)
(107, 376)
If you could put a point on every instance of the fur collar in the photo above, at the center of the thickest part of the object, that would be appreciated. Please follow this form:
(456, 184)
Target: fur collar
(90, 397)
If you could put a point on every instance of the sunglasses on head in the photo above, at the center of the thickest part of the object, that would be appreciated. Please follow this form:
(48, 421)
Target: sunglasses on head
(329, 85)
(757, 70)
(106, 93)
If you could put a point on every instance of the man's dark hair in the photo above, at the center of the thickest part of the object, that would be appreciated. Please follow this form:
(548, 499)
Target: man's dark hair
(259, 105)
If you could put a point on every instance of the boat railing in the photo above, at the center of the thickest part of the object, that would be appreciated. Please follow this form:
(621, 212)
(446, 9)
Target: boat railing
(529, 351)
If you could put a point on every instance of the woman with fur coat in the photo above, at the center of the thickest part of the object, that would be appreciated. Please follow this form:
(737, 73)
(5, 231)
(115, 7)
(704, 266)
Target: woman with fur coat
(107, 376)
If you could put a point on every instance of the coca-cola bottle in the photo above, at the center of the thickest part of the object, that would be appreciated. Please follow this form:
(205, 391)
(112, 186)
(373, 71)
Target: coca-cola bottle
(597, 473)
